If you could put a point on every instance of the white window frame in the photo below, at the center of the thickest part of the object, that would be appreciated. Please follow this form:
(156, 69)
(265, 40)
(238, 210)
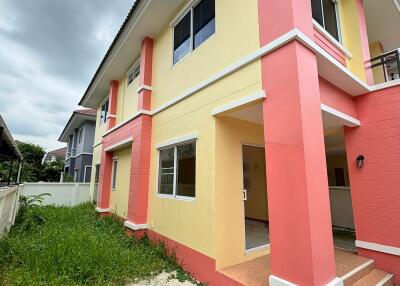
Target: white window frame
(114, 174)
(85, 172)
(188, 9)
(337, 20)
(101, 108)
(174, 144)
(132, 70)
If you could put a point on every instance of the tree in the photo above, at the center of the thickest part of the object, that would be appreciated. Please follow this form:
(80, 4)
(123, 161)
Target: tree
(33, 169)
(51, 171)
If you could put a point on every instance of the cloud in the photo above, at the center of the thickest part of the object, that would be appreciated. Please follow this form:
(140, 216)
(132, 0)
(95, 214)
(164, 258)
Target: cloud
(49, 50)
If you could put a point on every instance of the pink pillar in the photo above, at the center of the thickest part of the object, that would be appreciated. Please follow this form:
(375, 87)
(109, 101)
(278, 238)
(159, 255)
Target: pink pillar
(113, 95)
(141, 146)
(146, 72)
(364, 41)
(103, 202)
(298, 195)
(140, 169)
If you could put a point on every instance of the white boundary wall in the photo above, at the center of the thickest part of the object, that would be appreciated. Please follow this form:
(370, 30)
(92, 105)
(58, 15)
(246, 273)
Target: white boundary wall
(62, 194)
(9, 197)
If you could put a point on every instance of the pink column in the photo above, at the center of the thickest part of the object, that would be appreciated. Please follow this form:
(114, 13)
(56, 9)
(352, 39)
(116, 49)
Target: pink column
(141, 146)
(112, 108)
(140, 169)
(298, 195)
(146, 73)
(103, 202)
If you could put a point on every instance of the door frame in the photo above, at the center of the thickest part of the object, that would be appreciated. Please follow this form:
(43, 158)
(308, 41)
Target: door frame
(264, 246)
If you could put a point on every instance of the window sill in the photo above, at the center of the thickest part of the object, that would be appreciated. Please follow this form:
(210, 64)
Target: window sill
(332, 40)
(177, 198)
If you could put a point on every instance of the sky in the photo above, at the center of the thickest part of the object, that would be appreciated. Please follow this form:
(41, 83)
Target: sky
(49, 51)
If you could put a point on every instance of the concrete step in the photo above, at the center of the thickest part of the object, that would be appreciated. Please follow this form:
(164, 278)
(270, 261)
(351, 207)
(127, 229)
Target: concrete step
(366, 274)
(376, 278)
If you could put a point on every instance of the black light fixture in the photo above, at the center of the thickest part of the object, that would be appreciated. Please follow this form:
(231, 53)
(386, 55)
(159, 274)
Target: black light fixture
(360, 161)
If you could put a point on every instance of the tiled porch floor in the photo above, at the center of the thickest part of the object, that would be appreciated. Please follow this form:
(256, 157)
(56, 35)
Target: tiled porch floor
(256, 272)
(257, 234)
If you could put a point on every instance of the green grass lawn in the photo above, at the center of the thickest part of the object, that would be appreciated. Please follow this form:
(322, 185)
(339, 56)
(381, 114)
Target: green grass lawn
(74, 247)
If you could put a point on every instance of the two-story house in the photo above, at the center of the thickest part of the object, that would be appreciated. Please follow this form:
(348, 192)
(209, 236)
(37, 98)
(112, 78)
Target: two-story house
(79, 136)
(257, 139)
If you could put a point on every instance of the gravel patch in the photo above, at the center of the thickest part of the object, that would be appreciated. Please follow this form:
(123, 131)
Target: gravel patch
(164, 279)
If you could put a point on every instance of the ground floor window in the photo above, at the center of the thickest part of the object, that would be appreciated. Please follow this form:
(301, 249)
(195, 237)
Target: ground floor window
(114, 174)
(177, 170)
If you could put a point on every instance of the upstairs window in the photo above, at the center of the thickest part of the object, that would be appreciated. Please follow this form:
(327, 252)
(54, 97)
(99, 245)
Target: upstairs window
(177, 171)
(80, 133)
(133, 73)
(325, 12)
(104, 112)
(194, 28)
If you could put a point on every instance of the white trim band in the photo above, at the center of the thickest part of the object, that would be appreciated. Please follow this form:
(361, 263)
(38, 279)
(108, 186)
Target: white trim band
(351, 121)
(111, 116)
(121, 144)
(179, 140)
(144, 87)
(378, 247)
(276, 281)
(100, 210)
(258, 96)
(134, 226)
(385, 280)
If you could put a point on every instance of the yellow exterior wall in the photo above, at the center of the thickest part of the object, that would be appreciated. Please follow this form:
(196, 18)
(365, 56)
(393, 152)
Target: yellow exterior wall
(337, 161)
(350, 31)
(119, 196)
(220, 50)
(127, 99)
(229, 206)
(192, 222)
(376, 50)
(100, 128)
(256, 206)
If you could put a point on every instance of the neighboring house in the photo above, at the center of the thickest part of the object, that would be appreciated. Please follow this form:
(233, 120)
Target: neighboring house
(79, 136)
(228, 127)
(56, 154)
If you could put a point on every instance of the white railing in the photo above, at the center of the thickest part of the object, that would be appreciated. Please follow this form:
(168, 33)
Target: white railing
(66, 194)
(9, 197)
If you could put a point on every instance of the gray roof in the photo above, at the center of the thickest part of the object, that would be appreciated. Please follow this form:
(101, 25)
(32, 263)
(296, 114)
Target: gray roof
(8, 147)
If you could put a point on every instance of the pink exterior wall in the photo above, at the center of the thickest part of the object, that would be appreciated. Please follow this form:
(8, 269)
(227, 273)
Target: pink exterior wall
(376, 187)
(324, 43)
(337, 98)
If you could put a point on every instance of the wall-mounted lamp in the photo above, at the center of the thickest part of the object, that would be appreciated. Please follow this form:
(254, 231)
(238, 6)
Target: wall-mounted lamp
(360, 161)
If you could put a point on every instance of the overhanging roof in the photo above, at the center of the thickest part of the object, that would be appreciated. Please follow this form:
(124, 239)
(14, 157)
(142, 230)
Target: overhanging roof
(383, 22)
(8, 147)
(76, 120)
(147, 18)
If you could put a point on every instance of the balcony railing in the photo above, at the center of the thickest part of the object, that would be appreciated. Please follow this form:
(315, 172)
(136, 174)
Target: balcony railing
(388, 63)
